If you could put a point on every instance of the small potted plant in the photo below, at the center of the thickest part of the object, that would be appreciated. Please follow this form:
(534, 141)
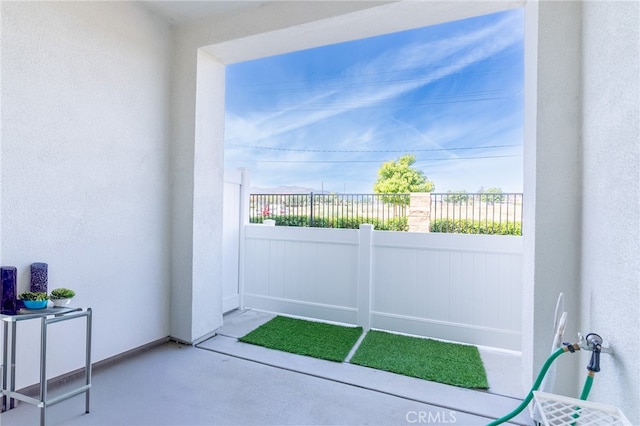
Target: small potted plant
(34, 300)
(61, 296)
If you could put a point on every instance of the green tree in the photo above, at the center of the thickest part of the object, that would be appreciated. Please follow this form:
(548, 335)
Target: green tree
(398, 177)
(491, 195)
(457, 197)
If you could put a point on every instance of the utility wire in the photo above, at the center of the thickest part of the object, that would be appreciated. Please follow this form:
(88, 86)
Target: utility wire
(273, 148)
(378, 161)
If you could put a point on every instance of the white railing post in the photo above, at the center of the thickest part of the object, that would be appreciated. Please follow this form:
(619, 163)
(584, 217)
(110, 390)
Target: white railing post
(245, 195)
(245, 205)
(364, 276)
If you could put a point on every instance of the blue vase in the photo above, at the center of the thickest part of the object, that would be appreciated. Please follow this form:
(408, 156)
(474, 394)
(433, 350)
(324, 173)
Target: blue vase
(39, 277)
(9, 277)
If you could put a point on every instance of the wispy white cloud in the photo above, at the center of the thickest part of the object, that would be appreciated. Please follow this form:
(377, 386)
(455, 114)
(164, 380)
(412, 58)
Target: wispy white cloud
(355, 112)
(472, 45)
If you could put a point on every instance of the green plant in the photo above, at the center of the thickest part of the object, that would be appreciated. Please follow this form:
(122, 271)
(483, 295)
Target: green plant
(36, 296)
(476, 227)
(491, 195)
(62, 293)
(457, 197)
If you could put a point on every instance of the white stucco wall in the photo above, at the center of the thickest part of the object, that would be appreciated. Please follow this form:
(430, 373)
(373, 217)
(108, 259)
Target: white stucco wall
(84, 149)
(583, 168)
(552, 185)
(611, 189)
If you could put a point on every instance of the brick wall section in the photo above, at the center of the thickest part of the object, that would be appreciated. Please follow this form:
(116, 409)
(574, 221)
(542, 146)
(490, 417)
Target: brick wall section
(419, 212)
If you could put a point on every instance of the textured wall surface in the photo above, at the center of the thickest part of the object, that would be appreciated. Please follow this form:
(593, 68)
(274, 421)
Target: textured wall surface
(611, 190)
(584, 151)
(85, 165)
(552, 179)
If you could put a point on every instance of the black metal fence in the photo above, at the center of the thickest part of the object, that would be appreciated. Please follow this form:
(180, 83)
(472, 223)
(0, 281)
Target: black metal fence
(384, 211)
(476, 213)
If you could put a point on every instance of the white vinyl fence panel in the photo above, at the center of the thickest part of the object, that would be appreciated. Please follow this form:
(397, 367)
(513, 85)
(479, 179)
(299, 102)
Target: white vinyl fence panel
(302, 271)
(464, 288)
(232, 224)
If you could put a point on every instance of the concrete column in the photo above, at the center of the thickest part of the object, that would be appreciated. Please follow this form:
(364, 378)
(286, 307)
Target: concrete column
(420, 212)
(552, 172)
(198, 184)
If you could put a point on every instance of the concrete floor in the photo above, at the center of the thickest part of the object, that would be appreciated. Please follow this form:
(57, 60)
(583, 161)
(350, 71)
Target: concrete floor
(224, 382)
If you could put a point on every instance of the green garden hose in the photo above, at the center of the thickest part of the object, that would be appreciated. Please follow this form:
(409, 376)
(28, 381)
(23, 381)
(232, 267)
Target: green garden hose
(535, 386)
(587, 386)
(585, 393)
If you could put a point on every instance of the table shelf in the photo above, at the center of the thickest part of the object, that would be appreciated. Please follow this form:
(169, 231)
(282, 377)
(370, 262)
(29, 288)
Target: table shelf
(47, 317)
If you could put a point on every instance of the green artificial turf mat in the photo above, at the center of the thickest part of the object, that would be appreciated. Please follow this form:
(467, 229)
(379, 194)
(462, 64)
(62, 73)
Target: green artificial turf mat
(315, 339)
(428, 359)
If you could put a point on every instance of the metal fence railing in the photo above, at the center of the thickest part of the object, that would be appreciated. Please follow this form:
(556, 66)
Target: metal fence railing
(476, 213)
(385, 211)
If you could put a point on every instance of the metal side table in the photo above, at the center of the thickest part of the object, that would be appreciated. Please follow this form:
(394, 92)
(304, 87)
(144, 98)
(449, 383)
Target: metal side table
(47, 316)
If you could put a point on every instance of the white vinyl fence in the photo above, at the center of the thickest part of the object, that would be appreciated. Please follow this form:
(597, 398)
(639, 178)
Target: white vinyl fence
(464, 288)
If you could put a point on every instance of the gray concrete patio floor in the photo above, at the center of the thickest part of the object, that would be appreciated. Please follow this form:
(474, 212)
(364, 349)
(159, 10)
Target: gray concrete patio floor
(225, 382)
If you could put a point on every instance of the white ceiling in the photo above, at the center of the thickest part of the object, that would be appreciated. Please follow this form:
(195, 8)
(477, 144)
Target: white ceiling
(180, 11)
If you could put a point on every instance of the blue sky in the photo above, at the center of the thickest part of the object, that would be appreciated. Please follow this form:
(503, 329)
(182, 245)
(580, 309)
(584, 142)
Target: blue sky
(327, 118)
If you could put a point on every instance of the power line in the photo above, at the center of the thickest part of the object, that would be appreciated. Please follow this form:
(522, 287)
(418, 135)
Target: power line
(273, 148)
(378, 161)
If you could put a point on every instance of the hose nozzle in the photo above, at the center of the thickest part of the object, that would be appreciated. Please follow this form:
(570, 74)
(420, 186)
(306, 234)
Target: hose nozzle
(594, 343)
